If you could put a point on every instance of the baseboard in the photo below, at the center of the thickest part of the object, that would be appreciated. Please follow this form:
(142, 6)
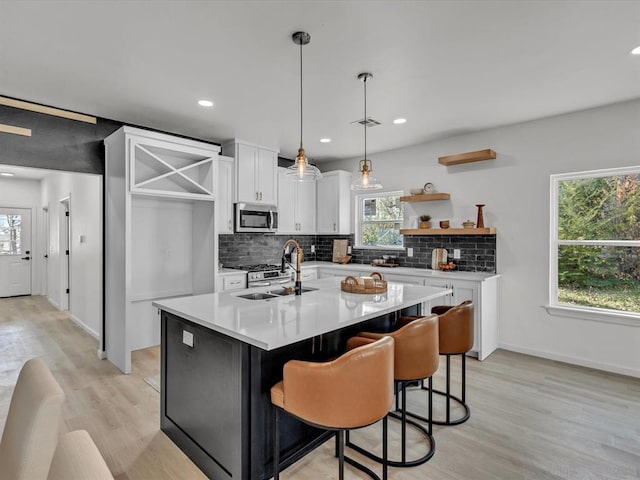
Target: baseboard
(607, 367)
(84, 326)
(52, 302)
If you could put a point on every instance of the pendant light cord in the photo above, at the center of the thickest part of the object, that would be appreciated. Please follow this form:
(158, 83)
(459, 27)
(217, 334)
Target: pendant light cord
(300, 94)
(365, 121)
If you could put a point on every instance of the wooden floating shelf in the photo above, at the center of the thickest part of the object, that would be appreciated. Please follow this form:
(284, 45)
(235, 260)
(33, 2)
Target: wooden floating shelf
(56, 112)
(425, 197)
(468, 157)
(448, 231)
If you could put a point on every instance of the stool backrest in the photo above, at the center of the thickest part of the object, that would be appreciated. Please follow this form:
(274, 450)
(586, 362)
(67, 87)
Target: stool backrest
(30, 433)
(416, 349)
(352, 391)
(456, 329)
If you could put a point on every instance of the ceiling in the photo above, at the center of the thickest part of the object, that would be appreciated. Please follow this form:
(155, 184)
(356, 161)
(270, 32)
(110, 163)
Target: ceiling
(448, 67)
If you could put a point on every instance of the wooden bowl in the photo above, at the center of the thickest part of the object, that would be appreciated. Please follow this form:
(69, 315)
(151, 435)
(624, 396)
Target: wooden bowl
(344, 260)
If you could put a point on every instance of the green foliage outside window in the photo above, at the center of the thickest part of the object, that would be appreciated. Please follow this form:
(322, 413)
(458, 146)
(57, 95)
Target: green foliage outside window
(599, 209)
(381, 220)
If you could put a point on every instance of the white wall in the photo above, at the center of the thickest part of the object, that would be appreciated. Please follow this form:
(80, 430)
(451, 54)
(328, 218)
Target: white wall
(515, 189)
(15, 192)
(85, 192)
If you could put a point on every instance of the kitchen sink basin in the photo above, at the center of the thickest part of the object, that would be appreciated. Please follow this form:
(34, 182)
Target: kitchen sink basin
(257, 296)
(289, 291)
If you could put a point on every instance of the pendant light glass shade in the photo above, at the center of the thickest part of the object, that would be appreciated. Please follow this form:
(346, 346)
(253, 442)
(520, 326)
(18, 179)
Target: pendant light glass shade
(302, 170)
(365, 181)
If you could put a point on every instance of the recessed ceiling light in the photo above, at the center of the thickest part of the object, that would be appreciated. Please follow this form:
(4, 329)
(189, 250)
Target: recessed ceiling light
(636, 51)
(400, 121)
(205, 103)
(325, 140)
(6, 174)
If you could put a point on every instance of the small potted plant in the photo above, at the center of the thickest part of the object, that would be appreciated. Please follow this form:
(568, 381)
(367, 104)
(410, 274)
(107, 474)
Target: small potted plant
(424, 221)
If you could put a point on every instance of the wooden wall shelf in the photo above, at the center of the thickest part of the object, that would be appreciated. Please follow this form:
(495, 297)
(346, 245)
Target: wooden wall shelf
(448, 231)
(426, 197)
(468, 157)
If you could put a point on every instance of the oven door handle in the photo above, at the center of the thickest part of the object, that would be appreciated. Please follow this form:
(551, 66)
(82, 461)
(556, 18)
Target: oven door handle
(282, 282)
(260, 284)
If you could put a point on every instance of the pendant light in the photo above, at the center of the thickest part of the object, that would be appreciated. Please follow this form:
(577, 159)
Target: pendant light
(301, 170)
(366, 181)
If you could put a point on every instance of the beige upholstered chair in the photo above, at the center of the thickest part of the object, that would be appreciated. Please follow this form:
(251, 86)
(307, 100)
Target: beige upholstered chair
(30, 433)
(78, 458)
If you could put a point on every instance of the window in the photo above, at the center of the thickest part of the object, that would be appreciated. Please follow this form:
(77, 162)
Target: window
(10, 226)
(595, 240)
(378, 220)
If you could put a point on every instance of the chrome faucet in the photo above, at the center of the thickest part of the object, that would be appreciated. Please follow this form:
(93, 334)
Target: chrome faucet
(298, 250)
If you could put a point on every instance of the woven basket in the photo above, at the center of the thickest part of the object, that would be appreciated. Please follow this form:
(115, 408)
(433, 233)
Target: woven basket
(350, 285)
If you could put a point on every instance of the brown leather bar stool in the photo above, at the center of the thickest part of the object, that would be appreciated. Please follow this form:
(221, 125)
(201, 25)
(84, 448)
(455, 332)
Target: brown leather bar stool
(415, 358)
(456, 338)
(353, 391)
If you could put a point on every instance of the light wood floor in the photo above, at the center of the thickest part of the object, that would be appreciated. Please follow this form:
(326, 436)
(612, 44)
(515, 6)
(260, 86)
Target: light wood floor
(531, 418)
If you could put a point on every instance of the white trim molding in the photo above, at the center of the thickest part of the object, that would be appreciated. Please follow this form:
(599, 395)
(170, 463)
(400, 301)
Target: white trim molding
(595, 314)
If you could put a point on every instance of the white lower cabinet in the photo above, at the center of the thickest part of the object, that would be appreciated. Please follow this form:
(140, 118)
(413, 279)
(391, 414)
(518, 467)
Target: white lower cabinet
(484, 295)
(307, 274)
(234, 281)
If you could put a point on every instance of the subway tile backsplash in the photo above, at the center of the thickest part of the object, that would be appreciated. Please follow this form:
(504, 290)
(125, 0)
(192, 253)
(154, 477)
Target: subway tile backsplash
(478, 252)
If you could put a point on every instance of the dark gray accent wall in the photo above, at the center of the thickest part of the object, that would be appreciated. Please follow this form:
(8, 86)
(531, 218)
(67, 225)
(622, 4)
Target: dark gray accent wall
(55, 143)
(478, 252)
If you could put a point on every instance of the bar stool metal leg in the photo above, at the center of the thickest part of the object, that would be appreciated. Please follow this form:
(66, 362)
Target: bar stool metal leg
(276, 443)
(449, 396)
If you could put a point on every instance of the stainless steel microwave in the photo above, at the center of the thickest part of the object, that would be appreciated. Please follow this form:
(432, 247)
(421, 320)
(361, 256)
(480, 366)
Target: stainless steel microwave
(251, 217)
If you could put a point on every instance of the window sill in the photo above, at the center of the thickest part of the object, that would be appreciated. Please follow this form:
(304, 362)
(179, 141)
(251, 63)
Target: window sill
(367, 247)
(595, 314)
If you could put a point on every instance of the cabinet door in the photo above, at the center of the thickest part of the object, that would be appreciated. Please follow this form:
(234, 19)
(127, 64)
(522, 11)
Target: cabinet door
(286, 203)
(267, 177)
(327, 198)
(463, 291)
(306, 207)
(225, 195)
(246, 173)
(440, 283)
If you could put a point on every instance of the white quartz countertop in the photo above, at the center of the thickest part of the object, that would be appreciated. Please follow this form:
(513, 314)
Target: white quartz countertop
(419, 272)
(281, 321)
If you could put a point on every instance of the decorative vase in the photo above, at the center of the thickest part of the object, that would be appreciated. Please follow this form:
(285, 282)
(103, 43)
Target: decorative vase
(425, 224)
(480, 220)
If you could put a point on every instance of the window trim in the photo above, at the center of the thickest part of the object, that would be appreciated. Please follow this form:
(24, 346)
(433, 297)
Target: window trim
(358, 221)
(575, 311)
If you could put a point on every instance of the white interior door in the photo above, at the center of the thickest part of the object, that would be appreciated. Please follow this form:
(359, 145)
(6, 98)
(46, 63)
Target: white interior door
(15, 251)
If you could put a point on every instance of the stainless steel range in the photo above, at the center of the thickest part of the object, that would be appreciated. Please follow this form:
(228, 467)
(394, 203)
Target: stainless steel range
(265, 275)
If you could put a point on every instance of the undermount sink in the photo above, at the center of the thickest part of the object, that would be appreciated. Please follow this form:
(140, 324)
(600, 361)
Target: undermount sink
(258, 296)
(289, 291)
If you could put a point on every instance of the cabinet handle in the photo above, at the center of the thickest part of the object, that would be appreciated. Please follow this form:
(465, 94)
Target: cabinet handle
(334, 227)
(257, 196)
(230, 227)
(260, 195)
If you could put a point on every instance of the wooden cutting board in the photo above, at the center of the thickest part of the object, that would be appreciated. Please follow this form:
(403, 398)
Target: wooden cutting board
(339, 249)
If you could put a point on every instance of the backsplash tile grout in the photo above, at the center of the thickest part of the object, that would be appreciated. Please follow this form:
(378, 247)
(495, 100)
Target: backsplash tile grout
(478, 252)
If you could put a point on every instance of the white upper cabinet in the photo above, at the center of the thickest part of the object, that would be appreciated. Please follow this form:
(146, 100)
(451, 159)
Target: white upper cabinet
(296, 205)
(334, 203)
(256, 172)
(224, 220)
(167, 166)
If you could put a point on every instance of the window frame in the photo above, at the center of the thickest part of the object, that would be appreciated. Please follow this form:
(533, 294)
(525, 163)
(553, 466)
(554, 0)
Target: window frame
(359, 199)
(575, 311)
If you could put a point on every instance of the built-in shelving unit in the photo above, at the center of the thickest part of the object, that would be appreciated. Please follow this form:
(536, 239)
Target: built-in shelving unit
(426, 197)
(448, 231)
(468, 157)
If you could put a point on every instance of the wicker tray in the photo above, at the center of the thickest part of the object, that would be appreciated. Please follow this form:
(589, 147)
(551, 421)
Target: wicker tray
(350, 285)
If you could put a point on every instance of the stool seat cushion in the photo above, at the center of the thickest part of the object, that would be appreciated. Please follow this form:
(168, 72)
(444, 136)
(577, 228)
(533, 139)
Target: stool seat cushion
(78, 458)
(352, 391)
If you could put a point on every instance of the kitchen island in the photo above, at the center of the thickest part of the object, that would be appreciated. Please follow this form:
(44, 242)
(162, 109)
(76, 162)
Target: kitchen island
(221, 353)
